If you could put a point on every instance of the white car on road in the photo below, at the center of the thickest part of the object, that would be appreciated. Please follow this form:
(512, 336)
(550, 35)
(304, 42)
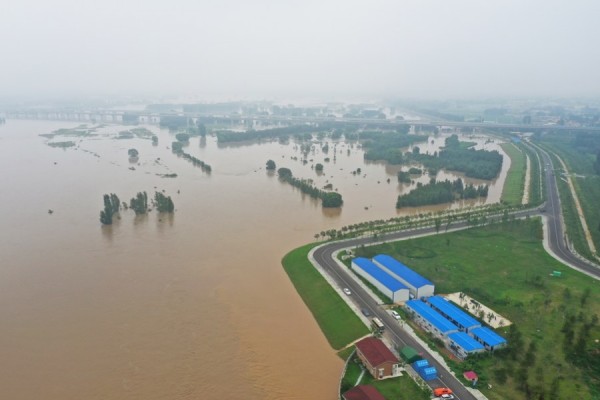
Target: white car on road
(347, 291)
(395, 314)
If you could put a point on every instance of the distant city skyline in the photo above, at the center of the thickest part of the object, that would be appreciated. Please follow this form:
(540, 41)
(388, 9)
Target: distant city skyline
(335, 50)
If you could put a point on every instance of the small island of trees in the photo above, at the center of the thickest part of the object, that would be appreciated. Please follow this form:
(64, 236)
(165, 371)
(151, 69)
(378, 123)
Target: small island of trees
(455, 156)
(139, 204)
(440, 192)
(328, 199)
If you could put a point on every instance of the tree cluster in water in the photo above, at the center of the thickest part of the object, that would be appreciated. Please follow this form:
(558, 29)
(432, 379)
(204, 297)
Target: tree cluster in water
(387, 146)
(112, 205)
(177, 148)
(139, 204)
(329, 199)
(380, 145)
(440, 192)
(163, 203)
(480, 164)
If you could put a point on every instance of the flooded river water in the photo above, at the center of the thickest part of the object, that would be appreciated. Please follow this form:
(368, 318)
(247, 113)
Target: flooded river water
(192, 306)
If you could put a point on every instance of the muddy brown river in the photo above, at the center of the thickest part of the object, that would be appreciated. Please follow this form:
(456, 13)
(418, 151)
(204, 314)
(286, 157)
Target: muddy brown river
(191, 306)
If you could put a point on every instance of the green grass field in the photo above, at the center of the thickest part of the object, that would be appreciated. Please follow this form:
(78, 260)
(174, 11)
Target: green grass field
(506, 268)
(512, 192)
(339, 323)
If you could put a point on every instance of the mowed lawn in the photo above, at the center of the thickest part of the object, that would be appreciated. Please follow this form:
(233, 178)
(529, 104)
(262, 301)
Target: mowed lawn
(506, 268)
(512, 192)
(339, 323)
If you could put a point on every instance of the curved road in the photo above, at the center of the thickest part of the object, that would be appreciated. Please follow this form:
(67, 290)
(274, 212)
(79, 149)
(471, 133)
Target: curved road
(324, 256)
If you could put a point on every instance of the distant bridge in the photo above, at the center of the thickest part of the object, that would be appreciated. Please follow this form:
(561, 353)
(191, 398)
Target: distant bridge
(117, 116)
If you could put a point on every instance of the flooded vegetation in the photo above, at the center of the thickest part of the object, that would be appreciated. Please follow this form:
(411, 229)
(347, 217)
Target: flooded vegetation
(173, 305)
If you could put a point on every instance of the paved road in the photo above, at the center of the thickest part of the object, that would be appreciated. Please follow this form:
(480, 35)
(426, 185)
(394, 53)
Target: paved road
(555, 230)
(324, 256)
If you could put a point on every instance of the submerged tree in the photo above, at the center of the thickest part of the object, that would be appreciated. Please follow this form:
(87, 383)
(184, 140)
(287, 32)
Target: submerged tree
(163, 203)
(139, 204)
(332, 200)
(115, 203)
(182, 137)
(107, 214)
(271, 165)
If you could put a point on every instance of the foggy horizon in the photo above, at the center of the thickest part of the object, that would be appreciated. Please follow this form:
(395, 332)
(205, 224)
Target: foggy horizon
(336, 50)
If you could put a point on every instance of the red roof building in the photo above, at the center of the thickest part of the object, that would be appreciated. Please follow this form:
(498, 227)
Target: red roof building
(377, 358)
(363, 392)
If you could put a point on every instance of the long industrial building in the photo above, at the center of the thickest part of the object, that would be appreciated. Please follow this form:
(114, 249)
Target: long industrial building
(463, 345)
(419, 287)
(454, 314)
(379, 278)
(490, 339)
(430, 319)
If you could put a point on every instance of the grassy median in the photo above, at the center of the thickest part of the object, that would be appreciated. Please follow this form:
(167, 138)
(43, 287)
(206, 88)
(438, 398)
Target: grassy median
(512, 192)
(339, 323)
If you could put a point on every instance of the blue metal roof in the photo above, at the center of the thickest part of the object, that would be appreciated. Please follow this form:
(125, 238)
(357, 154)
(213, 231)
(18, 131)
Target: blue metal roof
(465, 341)
(379, 274)
(437, 320)
(455, 313)
(429, 371)
(402, 270)
(419, 364)
(488, 336)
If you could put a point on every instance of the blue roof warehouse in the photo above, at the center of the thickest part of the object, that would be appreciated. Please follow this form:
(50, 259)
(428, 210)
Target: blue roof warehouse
(379, 278)
(419, 287)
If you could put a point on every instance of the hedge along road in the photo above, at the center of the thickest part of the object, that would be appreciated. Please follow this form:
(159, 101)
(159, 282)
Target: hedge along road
(554, 243)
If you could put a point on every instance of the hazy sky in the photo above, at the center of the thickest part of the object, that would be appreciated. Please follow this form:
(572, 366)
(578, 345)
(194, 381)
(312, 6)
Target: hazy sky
(261, 49)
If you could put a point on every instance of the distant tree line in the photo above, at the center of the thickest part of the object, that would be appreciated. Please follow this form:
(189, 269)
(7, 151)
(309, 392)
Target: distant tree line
(174, 122)
(440, 192)
(182, 137)
(329, 199)
(199, 129)
(273, 133)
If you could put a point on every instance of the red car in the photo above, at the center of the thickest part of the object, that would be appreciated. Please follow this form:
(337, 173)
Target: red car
(440, 391)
